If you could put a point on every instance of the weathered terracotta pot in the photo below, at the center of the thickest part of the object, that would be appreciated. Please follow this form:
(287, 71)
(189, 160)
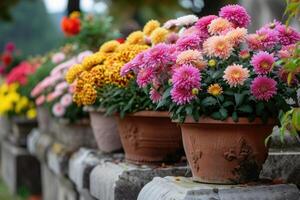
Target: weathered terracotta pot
(225, 152)
(105, 131)
(44, 120)
(150, 137)
(74, 135)
(21, 127)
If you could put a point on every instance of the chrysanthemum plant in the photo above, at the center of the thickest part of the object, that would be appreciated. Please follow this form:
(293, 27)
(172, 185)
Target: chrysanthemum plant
(216, 69)
(55, 93)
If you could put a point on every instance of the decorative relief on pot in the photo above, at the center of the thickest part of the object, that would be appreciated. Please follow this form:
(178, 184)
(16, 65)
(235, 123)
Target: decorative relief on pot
(131, 134)
(247, 167)
(196, 156)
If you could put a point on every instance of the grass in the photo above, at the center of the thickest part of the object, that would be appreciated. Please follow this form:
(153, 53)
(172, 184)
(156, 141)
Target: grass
(5, 194)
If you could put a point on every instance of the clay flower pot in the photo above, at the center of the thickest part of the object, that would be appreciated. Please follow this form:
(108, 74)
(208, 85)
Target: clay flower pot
(74, 135)
(150, 137)
(21, 127)
(105, 131)
(44, 119)
(225, 152)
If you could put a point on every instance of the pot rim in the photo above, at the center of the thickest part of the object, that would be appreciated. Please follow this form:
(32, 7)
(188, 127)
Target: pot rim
(229, 120)
(150, 113)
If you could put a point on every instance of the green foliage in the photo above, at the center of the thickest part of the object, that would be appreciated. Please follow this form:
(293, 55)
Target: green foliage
(292, 10)
(124, 100)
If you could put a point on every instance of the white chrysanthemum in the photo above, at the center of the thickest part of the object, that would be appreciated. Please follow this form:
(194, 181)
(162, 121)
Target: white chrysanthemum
(186, 20)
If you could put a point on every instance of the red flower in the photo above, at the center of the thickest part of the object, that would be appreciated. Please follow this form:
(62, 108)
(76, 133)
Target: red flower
(20, 73)
(70, 26)
(6, 58)
(10, 47)
(120, 40)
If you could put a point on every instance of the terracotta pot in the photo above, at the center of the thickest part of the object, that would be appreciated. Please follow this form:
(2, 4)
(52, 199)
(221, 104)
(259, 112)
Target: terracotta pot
(225, 152)
(105, 131)
(44, 119)
(21, 127)
(74, 135)
(150, 137)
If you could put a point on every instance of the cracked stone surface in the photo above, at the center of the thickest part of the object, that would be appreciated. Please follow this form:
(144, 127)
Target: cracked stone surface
(181, 188)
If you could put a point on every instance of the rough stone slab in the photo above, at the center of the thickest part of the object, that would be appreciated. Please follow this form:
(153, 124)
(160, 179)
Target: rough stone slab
(42, 146)
(32, 140)
(181, 188)
(282, 166)
(84, 194)
(49, 184)
(123, 181)
(57, 159)
(20, 169)
(81, 164)
(66, 189)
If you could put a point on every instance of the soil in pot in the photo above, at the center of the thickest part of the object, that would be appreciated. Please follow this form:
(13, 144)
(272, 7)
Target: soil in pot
(149, 137)
(225, 152)
(105, 131)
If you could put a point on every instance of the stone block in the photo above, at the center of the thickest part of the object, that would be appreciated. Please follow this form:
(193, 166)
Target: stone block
(122, 181)
(282, 166)
(20, 170)
(66, 189)
(81, 164)
(43, 145)
(181, 188)
(58, 158)
(289, 142)
(32, 140)
(49, 184)
(84, 194)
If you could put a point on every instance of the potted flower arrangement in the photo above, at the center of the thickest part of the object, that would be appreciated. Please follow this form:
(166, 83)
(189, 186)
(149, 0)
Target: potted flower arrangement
(224, 87)
(18, 111)
(70, 124)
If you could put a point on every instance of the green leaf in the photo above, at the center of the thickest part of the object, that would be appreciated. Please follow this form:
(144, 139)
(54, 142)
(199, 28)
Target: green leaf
(209, 101)
(224, 113)
(245, 109)
(238, 98)
(216, 116)
(235, 116)
(189, 110)
(227, 103)
(260, 108)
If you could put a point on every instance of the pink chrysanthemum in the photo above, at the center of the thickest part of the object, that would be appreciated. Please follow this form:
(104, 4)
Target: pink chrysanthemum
(172, 38)
(182, 96)
(262, 62)
(186, 76)
(287, 51)
(145, 76)
(235, 75)
(287, 35)
(218, 46)
(159, 55)
(267, 37)
(203, 22)
(193, 57)
(155, 96)
(169, 24)
(219, 26)
(236, 14)
(58, 110)
(189, 42)
(263, 88)
(253, 42)
(66, 100)
(40, 100)
(236, 36)
(133, 65)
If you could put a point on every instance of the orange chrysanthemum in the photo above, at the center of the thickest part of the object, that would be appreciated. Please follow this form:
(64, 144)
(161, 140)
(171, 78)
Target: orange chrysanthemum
(235, 75)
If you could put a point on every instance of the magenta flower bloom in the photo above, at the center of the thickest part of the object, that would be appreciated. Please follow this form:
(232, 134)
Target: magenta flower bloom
(236, 14)
(262, 62)
(155, 96)
(189, 42)
(145, 76)
(133, 65)
(159, 55)
(263, 88)
(182, 96)
(268, 37)
(287, 35)
(203, 22)
(186, 76)
(10, 47)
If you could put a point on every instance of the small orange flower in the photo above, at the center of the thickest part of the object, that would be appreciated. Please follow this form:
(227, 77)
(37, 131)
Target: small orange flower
(215, 89)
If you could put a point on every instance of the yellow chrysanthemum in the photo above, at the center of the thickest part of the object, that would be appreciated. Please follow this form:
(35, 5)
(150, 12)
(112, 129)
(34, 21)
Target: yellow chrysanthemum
(150, 26)
(22, 104)
(73, 72)
(90, 61)
(109, 47)
(136, 37)
(90, 94)
(75, 14)
(31, 113)
(215, 89)
(159, 35)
